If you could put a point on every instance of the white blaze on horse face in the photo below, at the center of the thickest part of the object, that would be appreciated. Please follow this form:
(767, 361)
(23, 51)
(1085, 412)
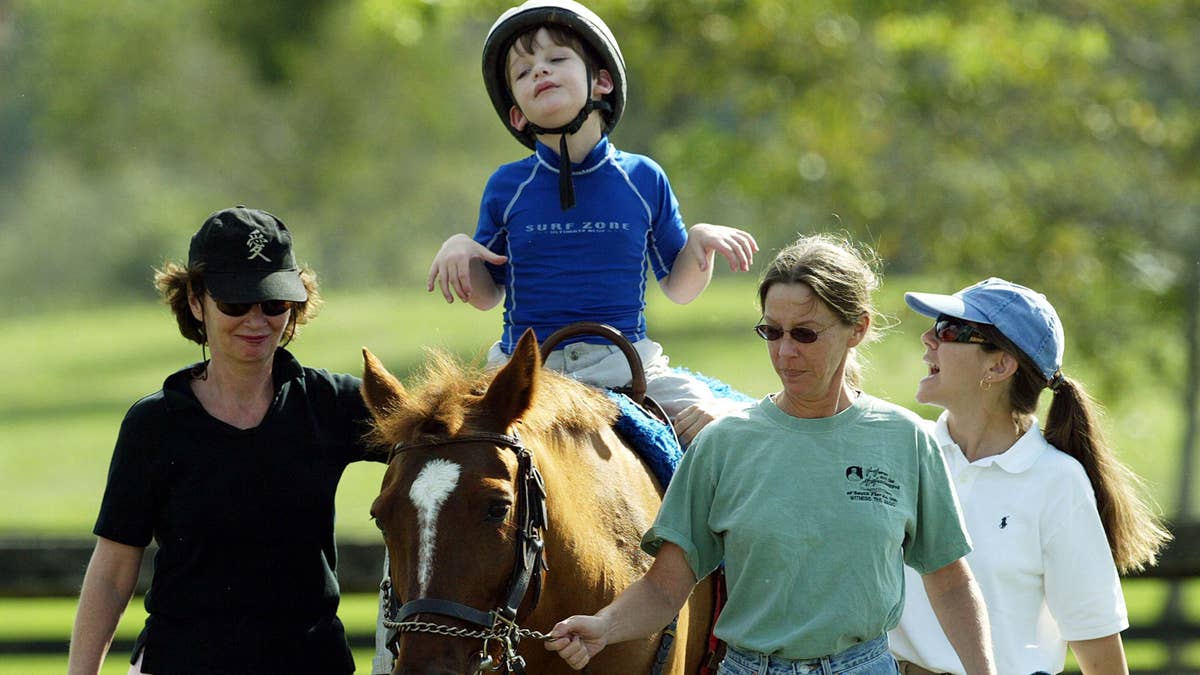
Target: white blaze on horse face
(428, 492)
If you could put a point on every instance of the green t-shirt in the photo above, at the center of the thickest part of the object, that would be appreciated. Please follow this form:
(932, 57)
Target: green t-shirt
(814, 519)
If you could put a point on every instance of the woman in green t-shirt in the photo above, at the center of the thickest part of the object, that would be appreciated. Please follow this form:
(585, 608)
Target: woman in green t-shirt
(814, 499)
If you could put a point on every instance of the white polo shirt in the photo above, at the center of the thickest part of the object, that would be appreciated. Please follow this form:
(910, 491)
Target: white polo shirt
(1041, 559)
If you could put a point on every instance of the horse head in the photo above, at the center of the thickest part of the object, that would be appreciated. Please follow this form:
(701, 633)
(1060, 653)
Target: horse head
(461, 500)
(463, 520)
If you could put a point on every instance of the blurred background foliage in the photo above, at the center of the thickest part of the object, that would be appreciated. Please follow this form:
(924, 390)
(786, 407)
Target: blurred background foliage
(1056, 144)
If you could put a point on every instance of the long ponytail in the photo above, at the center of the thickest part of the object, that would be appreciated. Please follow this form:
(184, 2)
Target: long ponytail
(1135, 533)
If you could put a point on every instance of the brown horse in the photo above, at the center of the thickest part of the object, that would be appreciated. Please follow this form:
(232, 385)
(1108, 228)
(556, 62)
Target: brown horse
(460, 516)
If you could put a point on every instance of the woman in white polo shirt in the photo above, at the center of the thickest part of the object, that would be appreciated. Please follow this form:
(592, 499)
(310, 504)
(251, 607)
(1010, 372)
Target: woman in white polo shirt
(1052, 517)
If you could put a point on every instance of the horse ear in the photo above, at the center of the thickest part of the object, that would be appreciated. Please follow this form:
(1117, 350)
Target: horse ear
(511, 393)
(380, 389)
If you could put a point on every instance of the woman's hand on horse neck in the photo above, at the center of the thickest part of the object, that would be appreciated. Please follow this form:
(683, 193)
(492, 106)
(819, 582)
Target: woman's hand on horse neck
(648, 605)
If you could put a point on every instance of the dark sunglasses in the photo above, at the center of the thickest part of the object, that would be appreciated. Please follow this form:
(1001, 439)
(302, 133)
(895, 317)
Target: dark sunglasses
(798, 333)
(949, 329)
(269, 307)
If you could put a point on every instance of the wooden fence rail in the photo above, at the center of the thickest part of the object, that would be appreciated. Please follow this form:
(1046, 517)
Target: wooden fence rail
(54, 567)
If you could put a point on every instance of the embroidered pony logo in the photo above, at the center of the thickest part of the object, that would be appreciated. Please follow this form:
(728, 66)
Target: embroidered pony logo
(1003, 522)
(255, 244)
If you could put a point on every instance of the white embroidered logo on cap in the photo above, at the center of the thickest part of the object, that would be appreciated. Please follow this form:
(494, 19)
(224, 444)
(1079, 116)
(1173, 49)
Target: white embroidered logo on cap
(256, 243)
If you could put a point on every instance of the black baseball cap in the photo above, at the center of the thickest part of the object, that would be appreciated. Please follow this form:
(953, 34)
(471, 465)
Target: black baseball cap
(247, 257)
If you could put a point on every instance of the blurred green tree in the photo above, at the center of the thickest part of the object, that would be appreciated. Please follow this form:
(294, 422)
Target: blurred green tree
(1054, 144)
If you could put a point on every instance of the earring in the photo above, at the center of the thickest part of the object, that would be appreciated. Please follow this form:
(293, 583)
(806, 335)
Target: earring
(985, 384)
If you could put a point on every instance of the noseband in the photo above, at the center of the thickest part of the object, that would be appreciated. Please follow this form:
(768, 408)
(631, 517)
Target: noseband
(499, 624)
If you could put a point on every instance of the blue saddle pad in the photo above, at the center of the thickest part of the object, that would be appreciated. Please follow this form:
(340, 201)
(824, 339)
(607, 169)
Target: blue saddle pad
(653, 440)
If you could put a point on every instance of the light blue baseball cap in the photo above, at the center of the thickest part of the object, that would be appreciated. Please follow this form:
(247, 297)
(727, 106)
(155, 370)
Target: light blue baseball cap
(1022, 315)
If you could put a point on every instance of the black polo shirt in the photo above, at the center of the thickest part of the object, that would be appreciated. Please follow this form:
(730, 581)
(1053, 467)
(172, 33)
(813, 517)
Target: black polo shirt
(245, 575)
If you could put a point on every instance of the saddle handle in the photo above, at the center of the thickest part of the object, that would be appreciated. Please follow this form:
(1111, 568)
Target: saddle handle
(637, 391)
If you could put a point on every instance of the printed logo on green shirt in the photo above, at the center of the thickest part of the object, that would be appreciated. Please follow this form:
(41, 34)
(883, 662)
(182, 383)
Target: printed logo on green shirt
(871, 484)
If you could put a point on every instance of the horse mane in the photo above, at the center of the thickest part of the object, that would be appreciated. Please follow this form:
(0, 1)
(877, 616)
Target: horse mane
(443, 399)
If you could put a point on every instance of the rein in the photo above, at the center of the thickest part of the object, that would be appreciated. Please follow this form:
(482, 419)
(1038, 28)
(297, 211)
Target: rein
(500, 623)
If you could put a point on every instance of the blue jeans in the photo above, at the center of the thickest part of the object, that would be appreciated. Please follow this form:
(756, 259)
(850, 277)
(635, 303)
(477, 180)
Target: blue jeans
(868, 658)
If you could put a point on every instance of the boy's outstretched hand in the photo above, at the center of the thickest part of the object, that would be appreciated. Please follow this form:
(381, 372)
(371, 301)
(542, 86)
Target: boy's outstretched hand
(577, 639)
(736, 246)
(451, 266)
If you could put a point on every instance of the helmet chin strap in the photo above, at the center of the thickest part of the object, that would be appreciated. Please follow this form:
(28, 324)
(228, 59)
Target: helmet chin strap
(566, 185)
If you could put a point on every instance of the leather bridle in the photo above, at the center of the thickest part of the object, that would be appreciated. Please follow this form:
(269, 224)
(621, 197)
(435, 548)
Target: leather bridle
(500, 623)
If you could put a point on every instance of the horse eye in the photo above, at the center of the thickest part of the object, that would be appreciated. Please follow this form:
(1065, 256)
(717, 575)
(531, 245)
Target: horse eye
(498, 511)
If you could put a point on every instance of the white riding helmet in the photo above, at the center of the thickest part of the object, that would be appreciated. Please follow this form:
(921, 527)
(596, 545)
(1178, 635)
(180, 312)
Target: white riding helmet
(591, 29)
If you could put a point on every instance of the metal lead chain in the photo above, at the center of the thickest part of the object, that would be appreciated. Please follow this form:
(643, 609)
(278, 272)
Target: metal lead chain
(451, 631)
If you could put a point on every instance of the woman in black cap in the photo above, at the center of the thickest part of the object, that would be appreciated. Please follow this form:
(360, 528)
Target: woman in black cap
(231, 468)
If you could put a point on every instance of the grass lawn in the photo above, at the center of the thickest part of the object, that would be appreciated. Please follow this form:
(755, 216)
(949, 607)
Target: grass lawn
(69, 380)
(51, 618)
